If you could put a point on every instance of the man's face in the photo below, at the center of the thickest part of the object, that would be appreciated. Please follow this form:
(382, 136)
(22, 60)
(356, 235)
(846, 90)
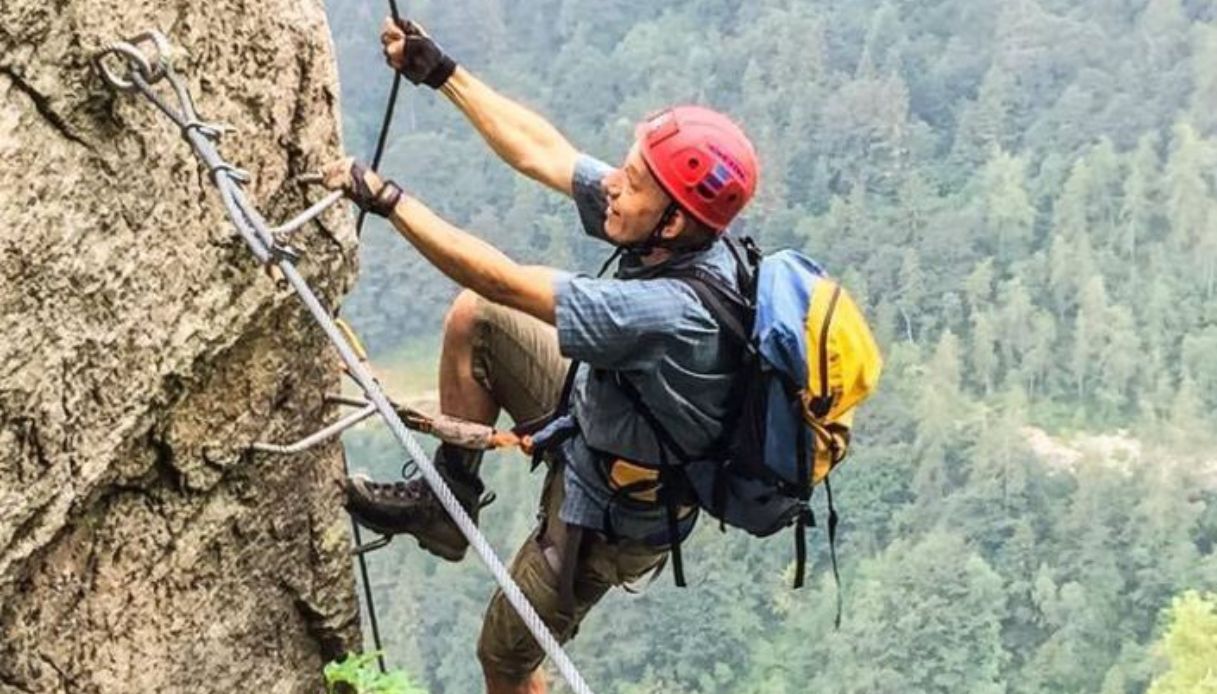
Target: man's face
(635, 201)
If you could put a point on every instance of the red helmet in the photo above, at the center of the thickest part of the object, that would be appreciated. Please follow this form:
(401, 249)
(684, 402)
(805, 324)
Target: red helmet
(702, 160)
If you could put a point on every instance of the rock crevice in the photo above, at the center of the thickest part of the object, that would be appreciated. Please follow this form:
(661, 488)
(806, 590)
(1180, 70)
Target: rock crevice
(42, 104)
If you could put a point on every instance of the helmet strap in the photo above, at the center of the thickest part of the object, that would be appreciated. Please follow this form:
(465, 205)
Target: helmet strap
(655, 238)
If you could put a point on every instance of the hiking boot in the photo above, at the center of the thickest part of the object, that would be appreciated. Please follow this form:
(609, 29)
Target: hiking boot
(394, 508)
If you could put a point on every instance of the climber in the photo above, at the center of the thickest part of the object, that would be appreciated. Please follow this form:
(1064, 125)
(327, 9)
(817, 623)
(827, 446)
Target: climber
(508, 336)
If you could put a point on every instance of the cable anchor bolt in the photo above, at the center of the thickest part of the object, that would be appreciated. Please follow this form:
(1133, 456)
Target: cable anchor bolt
(151, 65)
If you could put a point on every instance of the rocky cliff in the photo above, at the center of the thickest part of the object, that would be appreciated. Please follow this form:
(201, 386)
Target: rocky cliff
(141, 350)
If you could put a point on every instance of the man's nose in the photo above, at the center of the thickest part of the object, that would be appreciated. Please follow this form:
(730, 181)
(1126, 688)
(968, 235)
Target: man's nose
(611, 186)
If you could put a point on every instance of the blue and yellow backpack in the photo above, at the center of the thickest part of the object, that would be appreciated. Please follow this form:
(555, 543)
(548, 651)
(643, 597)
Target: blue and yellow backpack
(808, 360)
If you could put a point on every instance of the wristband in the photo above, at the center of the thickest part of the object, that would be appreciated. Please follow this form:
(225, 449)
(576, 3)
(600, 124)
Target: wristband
(386, 200)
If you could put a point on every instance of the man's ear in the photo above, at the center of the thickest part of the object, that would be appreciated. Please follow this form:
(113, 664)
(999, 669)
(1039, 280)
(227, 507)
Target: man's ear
(675, 225)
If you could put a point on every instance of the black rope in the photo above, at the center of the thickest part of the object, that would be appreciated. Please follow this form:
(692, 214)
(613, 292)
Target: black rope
(367, 595)
(385, 123)
(376, 157)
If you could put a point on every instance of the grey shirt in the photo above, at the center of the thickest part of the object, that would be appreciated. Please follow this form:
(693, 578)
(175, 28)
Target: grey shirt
(655, 332)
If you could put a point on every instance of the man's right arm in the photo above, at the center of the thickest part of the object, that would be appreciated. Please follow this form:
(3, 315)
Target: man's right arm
(521, 137)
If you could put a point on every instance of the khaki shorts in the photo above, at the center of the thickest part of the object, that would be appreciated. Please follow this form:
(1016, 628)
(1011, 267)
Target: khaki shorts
(516, 358)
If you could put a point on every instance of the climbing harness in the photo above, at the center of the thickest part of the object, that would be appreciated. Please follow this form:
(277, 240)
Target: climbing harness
(140, 71)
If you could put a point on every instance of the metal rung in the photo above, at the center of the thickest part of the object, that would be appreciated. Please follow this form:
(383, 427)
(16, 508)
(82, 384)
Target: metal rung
(346, 400)
(312, 440)
(307, 216)
(376, 544)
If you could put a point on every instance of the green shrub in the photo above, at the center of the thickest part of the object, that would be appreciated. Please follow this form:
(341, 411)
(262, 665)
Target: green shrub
(357, 674)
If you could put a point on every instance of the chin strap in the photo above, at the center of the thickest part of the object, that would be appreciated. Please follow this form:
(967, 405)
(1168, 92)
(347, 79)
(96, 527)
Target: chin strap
(655, 238)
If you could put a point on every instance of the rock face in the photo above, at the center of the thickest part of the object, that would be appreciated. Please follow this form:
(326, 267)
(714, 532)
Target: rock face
(142, 350)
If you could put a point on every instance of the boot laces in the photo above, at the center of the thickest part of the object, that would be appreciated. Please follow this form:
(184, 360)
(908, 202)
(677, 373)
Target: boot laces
(411, 490)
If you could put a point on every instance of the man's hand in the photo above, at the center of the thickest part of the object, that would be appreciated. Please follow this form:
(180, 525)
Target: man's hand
(409, 50)
(362, 186)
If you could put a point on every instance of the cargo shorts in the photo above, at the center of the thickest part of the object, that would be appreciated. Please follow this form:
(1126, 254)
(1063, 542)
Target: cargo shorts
(516, 358)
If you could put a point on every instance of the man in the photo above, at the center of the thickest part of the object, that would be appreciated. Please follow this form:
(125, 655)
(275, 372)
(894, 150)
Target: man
(689, 172)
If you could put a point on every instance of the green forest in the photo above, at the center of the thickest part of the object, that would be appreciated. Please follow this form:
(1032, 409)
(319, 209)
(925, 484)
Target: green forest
(1021, 194)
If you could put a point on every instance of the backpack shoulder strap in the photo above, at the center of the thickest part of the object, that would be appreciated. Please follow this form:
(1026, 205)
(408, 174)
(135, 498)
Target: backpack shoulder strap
(672, 480)
(733, 308)
(729, 309)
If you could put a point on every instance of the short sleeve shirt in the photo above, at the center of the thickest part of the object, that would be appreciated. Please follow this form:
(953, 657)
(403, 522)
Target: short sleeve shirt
(656, 333)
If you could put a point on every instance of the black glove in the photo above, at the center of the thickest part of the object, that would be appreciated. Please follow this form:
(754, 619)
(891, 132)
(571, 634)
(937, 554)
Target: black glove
(380, 202)
(426, 62)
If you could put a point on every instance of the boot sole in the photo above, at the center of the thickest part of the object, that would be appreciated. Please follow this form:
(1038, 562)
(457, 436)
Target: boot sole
(441, 551)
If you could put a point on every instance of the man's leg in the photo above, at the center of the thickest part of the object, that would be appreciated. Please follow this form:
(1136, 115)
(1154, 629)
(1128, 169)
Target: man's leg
(510, 657)
(496, 358)
(493, 358)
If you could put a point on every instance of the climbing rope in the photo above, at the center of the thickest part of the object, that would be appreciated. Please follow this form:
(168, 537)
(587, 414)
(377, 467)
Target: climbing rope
(269, 245)
(376, 157)
(385, 123)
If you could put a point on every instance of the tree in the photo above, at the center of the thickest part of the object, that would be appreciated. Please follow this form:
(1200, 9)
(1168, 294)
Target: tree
(1090, 331)
(1163, 32)
(983, 354)
(1038, 364)
(924, 616)
(1120, 358)
(1188, 646)
(978, 287)
(1139, 199)
(985, 122)
(1204, 80)
(1009, 213)
(910, 294)
(1103, 204)
(1188, 205)
(1014, 321)
(1070, 257)
(1071, 215)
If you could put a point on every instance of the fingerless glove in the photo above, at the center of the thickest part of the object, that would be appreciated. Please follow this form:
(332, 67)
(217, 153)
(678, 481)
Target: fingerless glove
(426, 62)
(380, 202)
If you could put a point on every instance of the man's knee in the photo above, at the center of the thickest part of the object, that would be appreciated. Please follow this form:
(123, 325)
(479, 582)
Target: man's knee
(503, 663)
(506, 648)
(460, 323)
(533, 683)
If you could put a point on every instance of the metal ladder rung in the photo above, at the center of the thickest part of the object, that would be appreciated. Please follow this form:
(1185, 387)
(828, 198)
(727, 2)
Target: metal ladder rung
(382, 541)
(346, 400)
(321, 436)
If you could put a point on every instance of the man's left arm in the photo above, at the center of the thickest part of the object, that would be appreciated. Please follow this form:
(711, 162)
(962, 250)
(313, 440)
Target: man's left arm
(475, 264)
(468, 260)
